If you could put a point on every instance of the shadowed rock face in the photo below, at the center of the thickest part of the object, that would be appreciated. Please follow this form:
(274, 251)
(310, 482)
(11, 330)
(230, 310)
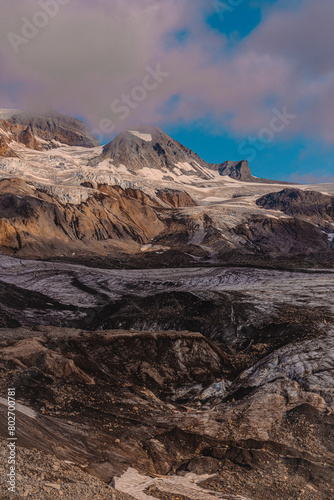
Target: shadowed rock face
(27, 138)
(283, 237)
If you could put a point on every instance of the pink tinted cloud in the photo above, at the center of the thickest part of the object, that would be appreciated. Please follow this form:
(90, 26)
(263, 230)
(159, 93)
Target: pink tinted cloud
(93, 52)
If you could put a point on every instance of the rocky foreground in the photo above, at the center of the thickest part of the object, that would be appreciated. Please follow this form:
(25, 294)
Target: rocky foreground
(242, 410)
(44, 476)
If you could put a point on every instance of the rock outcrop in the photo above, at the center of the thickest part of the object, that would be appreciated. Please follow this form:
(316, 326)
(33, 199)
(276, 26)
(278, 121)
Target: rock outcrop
(238, 170)
(27, 138)
(283, 237)
(314, 206)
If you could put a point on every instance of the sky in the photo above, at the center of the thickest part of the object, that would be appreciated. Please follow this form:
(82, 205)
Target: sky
(230, 79)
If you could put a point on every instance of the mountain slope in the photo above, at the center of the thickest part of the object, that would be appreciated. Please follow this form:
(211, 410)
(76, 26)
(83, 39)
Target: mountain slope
(32, 221)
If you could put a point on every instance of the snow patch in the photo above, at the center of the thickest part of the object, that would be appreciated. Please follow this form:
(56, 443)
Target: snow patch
(213, 199)
(154, 248)
(135, 484)
(185, 166)
(144, 137)
(152, 173)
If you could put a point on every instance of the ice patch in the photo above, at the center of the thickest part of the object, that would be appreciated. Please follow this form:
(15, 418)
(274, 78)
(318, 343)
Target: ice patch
(177, 171)
(213, 199)
(154, 248)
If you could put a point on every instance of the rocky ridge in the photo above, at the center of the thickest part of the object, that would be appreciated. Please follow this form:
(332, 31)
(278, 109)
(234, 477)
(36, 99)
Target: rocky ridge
(311, 205)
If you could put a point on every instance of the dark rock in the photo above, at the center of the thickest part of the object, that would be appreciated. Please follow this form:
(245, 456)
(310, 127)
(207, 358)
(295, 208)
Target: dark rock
(313, 205)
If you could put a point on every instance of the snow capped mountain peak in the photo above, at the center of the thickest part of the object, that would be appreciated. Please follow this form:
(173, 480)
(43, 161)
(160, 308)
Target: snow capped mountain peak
(149, 152)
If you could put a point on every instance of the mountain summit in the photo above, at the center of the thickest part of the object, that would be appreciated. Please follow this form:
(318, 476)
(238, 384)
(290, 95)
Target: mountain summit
(41, 131)
(145, 147)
